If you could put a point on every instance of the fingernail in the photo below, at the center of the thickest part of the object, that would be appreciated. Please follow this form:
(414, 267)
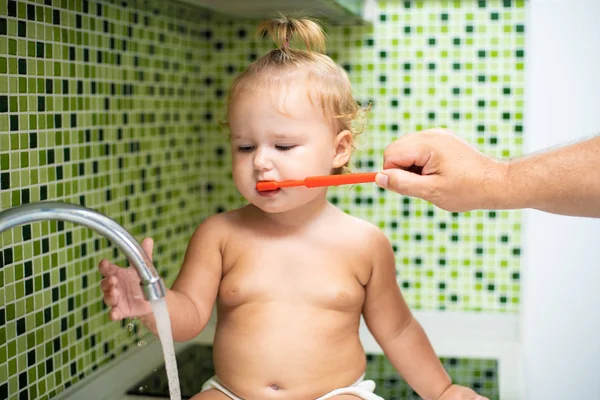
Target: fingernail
(382, 180)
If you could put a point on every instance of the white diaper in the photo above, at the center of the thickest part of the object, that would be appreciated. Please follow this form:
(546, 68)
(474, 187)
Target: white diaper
(361, 389)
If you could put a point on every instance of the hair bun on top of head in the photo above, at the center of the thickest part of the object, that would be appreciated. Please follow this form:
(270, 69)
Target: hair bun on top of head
(284, 29)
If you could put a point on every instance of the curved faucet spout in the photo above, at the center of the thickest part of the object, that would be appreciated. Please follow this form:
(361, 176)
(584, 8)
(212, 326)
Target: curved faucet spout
(152, 286)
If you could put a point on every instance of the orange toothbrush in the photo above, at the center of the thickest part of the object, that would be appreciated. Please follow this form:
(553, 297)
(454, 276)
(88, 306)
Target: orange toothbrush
(318, 181)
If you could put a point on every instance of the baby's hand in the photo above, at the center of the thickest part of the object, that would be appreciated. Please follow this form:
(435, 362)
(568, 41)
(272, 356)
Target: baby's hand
(456, 392)
(122, 290)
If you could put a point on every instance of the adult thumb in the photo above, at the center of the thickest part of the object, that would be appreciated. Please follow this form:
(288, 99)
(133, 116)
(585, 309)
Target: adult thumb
(401, 181)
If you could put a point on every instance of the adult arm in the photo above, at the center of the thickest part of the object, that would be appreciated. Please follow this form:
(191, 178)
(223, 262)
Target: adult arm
(439, 167)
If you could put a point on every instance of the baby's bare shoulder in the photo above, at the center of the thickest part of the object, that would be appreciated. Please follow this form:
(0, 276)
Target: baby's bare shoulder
(216, 226)
(362, 232)
(216, 221)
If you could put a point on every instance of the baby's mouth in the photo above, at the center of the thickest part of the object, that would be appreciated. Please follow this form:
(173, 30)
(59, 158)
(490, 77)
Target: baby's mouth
(268, 193)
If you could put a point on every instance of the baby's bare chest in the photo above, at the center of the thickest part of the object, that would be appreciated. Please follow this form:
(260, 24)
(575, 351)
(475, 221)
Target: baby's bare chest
(319, 272)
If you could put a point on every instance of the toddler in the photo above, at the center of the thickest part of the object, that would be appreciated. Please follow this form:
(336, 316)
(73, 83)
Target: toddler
(290, 273)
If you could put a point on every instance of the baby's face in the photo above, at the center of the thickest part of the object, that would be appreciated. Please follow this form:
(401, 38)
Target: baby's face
(278, 134)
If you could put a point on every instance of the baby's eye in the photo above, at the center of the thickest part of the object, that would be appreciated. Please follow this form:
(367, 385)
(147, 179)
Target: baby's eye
(285, 147)
(245, 149)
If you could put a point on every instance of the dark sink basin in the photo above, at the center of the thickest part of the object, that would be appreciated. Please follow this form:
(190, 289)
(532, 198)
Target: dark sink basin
(195, 367)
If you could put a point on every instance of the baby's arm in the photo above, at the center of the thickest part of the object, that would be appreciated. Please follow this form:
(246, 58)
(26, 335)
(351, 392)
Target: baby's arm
(195, 289)
(191, 298)
(400, 335)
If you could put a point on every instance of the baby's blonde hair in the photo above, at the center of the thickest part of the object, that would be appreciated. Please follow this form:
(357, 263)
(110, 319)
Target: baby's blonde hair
(326, 80)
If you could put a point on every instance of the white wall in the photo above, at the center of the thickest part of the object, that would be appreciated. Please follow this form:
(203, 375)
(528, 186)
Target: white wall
(561, 295)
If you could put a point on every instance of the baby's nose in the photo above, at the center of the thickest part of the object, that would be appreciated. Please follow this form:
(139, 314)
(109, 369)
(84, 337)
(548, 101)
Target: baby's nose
(262, 161)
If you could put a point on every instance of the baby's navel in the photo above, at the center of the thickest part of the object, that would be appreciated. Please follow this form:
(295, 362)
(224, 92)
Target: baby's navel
(275, 387)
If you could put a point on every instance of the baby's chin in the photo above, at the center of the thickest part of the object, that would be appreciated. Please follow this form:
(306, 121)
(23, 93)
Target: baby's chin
(279, 201)
(270, 206)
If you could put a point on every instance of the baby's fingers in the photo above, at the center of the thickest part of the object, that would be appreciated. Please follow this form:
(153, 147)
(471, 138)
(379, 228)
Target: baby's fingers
(108, 283)
(111, 296)
(107, 269)
(148, 246)
(115, 314)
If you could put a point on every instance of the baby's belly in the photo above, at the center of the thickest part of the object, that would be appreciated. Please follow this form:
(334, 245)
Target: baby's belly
(285, 351)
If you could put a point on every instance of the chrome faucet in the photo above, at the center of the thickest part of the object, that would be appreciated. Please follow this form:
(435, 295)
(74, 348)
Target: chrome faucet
(152, 286)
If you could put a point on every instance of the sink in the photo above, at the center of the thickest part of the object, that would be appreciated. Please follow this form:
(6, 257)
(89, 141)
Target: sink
(196, 367)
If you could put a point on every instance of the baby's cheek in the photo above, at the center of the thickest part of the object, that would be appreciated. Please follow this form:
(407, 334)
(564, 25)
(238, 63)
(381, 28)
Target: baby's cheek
(305, 167)
(240, 183)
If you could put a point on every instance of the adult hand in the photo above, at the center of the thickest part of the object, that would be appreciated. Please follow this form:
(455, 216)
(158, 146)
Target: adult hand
(439, 167)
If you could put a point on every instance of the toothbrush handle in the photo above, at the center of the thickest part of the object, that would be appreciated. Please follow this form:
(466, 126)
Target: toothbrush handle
(334, 180)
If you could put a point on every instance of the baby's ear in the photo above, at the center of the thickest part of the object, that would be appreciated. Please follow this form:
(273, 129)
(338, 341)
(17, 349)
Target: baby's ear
(343, 147)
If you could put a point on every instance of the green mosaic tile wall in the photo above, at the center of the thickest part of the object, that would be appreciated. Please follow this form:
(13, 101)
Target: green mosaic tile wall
(115, 105)
(479, 374)
(457, 64)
